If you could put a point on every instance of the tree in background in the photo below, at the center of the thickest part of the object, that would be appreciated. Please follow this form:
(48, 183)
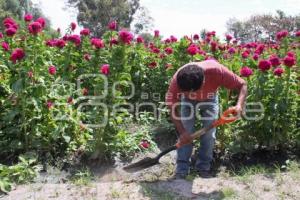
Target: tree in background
(262, 27)
(96, 14)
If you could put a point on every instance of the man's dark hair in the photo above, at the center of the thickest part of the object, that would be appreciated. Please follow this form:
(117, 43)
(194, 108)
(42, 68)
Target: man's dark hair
(190, 78)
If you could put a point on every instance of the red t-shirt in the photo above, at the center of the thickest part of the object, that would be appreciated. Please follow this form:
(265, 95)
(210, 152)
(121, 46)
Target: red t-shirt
(215, 76)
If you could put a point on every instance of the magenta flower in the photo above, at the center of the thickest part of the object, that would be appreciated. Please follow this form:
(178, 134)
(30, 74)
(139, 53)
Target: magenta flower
(52, 70)
(245, 54)
(156, 33)
(140, 39)
(98, 43)
(73, 38)
(246, 71)
(152, 64)
(278, 71)
(41, 21)
(264, 65)
(85, 32)
(255, 56)
(17, 55)
(297, 34)
(10, 31)
(60, 43)
(87, 57)
(112, 25)
(196, 37)
(192, 49)
(49, 104)
(275, 61)
(213, 46)
(34, 28)
(73, 26)
(231, 50)
(113, 41)
(5, 46)
(28, 17)
(289, 61)
(228, 37)
(173, 38)
(125, 36)
(104, 69)
(168, 50)
(282, 34)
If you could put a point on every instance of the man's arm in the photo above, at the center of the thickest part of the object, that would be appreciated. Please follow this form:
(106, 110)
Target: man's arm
(241, 99)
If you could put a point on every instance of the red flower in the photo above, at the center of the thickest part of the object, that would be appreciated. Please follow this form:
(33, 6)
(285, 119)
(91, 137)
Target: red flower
(192, 49)
(85, 32)
(112, 25)
(167, 41)
(196, 37)
(49, 104)
(282, 34)
(145, 144)
(213, 46)
(87, 57)
(156, 33)
(212, 33)
(168, 50)
(60, 43)
(98, 43)
(52, 70)
(51, 43)
(34, 28)
(28, 17)
(140, 39)
(73, 26)
(125, 36)
(105, 69)
(10, 23)
(264, 65)
(113, 41)
(259, 49)
(231, 50)
(74, 38)
(17, 55)
(41, 21)
(297, 34)
(10, 31)
(228, 38)
(291, 54)
(289, 61)
(246, 72)
(85, 91)
(5, 46)
(278, 71)
(152, 64)
(70, 100)
(274, 60)
(155, 50)
(1, 35)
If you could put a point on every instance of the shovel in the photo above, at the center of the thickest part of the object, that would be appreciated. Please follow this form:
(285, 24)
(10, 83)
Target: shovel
(227, 117)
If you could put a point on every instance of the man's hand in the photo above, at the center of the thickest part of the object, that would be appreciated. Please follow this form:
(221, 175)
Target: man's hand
(238, 110)
(185, 138)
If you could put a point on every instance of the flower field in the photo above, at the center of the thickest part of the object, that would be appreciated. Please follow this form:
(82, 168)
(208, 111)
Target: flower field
(53, 87)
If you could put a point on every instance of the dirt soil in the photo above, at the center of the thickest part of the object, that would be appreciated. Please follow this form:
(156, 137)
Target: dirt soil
(156, 183)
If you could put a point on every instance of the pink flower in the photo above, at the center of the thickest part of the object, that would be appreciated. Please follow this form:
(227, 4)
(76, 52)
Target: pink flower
(1, 35)
(297, 34)
(41, 21)
(231, 50)
(98, 43)
(87, 57)
(211, 34)
(85, 32)
(28, 17)
(17, 55)
(5, 46)
(278, 71)
(52, 70)
(112, 25)
(264, 65)
(259, 49)
(125, 36)
(140, 39)
(168, 50)
(228, 37)
(282, 34)
(246, 72)
(291, 54)
(51, 43)
(49, 104)
(60, 43)
(34, 28)
(105, 69)
(10, 31)
(196, 37)
(275, 61)
(10, 23)
(289, 61)
(192, 49)
(73, 26)
(145, 144)
(156, 33)
(245, 54)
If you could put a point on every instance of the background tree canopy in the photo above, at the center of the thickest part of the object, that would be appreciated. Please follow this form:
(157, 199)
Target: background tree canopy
(96, 14)
(262, 27)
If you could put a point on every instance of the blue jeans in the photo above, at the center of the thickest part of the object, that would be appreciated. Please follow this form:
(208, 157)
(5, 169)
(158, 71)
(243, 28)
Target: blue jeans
(209, 111)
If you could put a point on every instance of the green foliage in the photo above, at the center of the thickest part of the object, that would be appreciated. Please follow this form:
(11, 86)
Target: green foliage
(23, 172)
